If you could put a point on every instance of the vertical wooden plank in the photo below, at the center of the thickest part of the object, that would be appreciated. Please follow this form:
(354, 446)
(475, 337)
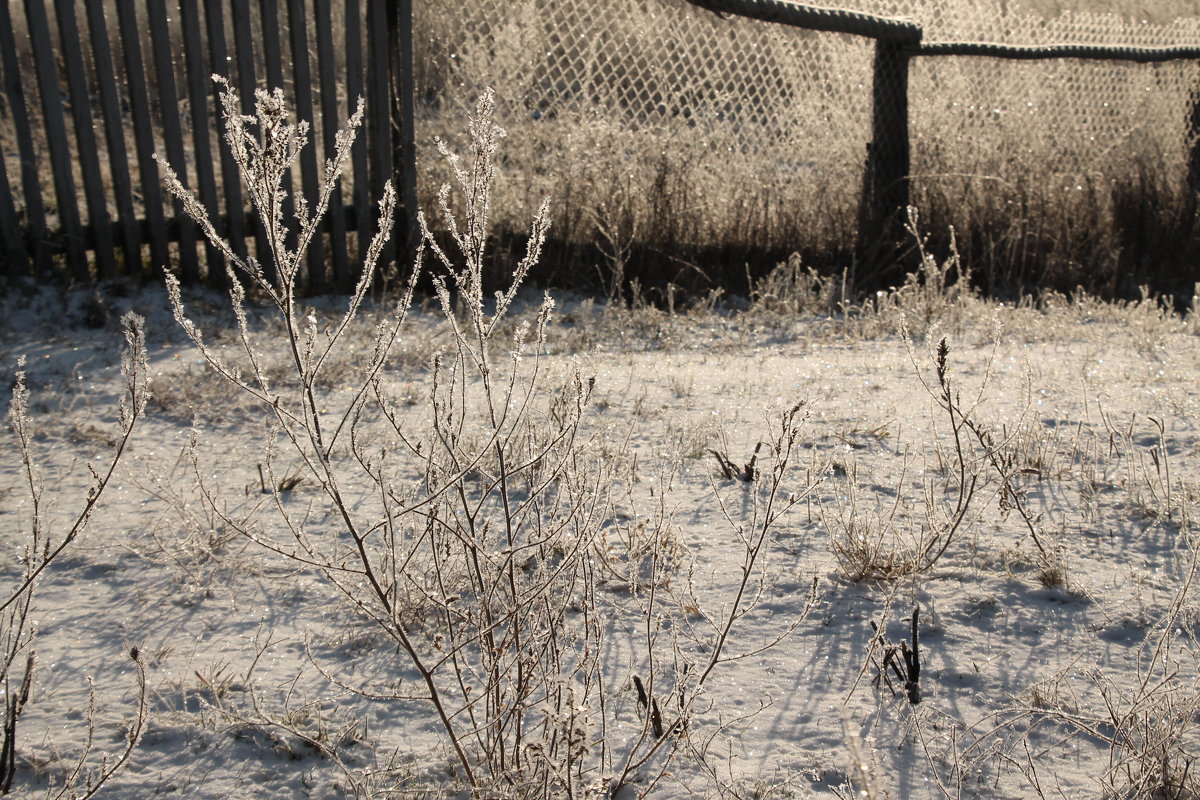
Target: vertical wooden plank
(56, 136)
(16, 261)
(164, 70)
(244, 49)
(885, 182)
(114, 137)
(230, 179)
(303, 100)
(94, 192)
(330, 123)
(361, 218)
(379, 105)
(405, 145)
(198, 81)
(247, 82)
(14, 91)
(272, 51)
(1194, 133)
(143, 134)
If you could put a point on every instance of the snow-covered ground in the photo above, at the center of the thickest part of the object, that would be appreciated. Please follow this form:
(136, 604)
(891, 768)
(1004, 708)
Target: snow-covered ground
(1068, 671)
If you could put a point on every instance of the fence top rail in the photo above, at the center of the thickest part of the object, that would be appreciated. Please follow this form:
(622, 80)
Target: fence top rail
(831, 20)
(901, 31)
(1047, 51)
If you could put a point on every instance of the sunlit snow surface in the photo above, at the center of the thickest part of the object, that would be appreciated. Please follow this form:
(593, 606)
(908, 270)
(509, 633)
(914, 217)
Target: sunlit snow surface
(1077, 399)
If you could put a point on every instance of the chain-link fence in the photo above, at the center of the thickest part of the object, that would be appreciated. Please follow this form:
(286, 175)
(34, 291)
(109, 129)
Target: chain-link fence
(658, 123)
(692, 131)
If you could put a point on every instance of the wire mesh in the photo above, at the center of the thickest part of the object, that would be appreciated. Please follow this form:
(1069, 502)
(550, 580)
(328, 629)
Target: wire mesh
(679, 125)
(656, 119)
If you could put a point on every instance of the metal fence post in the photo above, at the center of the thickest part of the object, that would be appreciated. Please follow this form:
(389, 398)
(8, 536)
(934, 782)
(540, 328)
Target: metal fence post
(885, 194)
(1194, 159)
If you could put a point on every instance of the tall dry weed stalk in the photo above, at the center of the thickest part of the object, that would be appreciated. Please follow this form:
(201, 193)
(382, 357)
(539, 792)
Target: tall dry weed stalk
(882, 546)
(41, 549)
(467, 529)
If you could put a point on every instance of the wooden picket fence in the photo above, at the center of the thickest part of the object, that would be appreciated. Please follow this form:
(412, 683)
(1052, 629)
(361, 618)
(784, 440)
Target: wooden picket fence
(161, 98)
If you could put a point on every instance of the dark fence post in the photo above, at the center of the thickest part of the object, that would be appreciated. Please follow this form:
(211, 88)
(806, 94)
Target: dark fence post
(231, 186)
(404, 145)
(1194, 159)
(302, 100)
(114, 137)
(15, 240)
(155, 230)
(94, 192)
(16, 260)
(378, 122)
(195, 88)
(335, 220)
(172, 130)
(885, 194)
(272, 54)
(360, 200)
(54, 122)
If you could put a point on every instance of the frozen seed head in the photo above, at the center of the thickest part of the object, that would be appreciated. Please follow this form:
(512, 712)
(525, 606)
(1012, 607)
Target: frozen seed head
(943, 351)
